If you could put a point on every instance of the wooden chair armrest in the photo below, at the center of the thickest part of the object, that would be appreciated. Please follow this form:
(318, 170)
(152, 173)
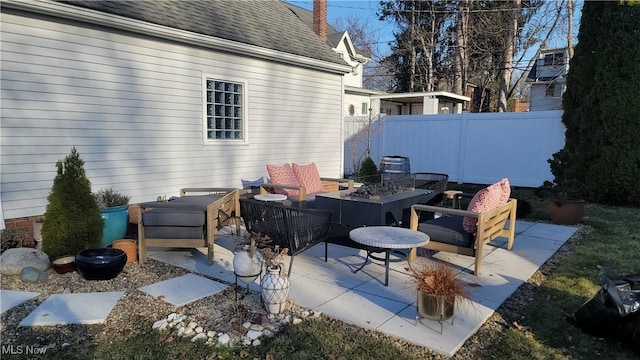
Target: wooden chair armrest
(444, 210)
(210, 190)
(270, 189)
(330, 186)
(350, 182)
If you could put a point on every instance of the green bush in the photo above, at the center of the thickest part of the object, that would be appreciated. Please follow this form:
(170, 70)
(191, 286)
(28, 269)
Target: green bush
(601, 160)
(72, 221)
(368, 172)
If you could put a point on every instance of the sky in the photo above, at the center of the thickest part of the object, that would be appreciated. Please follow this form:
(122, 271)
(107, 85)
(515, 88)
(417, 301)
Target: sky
(366, 10)
(363, 9)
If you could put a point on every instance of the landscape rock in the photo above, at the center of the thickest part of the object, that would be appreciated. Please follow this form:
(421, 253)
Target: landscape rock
(33, 275)
(224, 339)
(12, 261)
(253, 334)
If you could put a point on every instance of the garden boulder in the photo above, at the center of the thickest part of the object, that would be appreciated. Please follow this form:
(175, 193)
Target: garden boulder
(12, 261)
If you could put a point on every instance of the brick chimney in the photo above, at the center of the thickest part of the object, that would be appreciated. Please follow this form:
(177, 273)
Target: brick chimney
(320, 19)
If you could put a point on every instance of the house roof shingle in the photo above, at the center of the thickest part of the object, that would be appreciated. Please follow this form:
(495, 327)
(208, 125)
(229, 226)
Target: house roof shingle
(264, 23)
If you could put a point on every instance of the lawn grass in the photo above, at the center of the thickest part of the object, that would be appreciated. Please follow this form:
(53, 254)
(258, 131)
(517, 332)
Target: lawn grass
(613, 242)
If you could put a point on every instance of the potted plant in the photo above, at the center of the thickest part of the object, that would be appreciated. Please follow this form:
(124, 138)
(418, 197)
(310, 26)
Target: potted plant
(564, 207)
(72, 220)
(114, 210)
(247, 261)
(438, 289)
(275, 284)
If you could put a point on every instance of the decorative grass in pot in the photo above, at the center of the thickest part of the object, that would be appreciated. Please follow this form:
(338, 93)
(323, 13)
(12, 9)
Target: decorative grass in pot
(438, 288)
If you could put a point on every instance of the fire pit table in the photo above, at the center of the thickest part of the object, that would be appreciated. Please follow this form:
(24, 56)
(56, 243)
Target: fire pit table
(349, 212)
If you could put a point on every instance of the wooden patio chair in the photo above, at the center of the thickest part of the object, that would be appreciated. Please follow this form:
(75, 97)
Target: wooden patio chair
(188, 221)
(446, 233)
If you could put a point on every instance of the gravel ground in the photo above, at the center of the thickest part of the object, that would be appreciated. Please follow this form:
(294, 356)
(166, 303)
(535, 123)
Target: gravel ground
(137, 311)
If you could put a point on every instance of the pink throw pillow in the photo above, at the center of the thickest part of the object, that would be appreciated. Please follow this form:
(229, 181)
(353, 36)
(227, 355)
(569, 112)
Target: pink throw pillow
(308, 177)
(283, 175)
(489, 198)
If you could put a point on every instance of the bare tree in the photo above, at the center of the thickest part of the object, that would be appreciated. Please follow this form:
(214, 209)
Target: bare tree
(509, 47)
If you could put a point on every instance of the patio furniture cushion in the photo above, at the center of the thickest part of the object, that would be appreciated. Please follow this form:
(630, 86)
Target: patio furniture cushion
(309, 177)
(250, 184)
(447, 229)
(283, 174)
(489, 198)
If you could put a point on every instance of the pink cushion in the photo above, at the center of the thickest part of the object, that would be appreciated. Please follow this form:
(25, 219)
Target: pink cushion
(283, 175)
(308, 177)
(489, 198)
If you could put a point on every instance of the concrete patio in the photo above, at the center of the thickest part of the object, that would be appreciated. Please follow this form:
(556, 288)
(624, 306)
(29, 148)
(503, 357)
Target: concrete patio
(362, 299)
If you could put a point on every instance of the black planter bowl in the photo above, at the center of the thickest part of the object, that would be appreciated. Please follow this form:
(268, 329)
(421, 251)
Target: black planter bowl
(100, 264)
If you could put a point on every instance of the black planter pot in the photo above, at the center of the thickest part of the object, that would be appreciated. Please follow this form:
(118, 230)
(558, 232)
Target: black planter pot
(100, 264)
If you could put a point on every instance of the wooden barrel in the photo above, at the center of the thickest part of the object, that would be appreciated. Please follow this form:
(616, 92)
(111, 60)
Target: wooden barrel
(392, 166)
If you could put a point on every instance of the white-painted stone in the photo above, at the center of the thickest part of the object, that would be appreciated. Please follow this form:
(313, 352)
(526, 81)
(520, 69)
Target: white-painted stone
(252, 334)
(198, 337)
(160, 324)
(172, 316)
(188, 331)
(192, 325)
(256, 327)
(305, 313)
(199, 329)
(180, 331)
(211, 333)
(296, 321)
(224, 339)
(256, 342)
(267, 333)
(246, 324)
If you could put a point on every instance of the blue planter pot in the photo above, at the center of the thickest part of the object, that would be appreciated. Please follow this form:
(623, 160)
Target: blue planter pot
(116, 221)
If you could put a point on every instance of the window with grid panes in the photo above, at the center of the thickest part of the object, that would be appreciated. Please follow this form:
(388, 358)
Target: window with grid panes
(225, 110)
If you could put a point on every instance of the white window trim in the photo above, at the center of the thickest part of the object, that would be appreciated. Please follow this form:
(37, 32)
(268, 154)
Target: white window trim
(245, 110)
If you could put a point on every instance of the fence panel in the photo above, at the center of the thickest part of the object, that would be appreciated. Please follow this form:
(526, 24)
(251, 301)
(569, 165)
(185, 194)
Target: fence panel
(470, 147)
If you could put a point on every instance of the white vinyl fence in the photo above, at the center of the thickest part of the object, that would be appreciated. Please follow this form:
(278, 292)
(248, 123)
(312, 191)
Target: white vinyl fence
(478, 148)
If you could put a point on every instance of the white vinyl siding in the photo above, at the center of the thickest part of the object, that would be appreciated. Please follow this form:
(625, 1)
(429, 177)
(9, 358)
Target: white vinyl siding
(133, 107)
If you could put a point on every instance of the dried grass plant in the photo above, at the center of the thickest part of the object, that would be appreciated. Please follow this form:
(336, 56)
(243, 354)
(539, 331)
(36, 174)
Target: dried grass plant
(254, 240)
(438, 279)
(274, 257)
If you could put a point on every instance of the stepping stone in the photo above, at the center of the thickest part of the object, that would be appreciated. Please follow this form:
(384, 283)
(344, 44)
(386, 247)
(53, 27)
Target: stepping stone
(183, 289)
(11, 298)
(82, 308)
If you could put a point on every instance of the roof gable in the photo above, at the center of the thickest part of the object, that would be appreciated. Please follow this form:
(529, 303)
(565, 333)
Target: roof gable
(264, 23)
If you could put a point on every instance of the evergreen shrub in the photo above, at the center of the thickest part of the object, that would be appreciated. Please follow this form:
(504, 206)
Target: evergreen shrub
(72, 220)
(368, 172)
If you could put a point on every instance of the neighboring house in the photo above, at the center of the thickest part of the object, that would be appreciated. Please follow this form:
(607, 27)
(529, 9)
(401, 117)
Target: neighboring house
(420, 103)
(548, 79)
(160, 95)
(360, 103)
(356, 99)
